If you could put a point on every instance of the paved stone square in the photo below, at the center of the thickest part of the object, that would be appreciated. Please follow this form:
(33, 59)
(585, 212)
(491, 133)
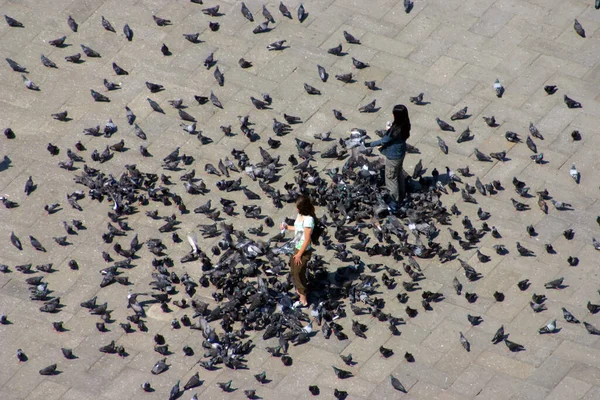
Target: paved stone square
(452, 51)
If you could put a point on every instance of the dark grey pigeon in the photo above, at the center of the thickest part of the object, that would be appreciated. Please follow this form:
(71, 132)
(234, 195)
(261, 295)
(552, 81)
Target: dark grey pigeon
(350, 39)
(89, 52)
(444, 125)
(302, 14)
(267, 14)
(49, 370)
(15, 241)
(107, 25)
(579, 29)
(397, 385)
(128, 32)
(47, 62)
(155, 106)
(246, 13)
(60, 42)
(284, 10)
(13, 23)
(16, 66)
(72, 24)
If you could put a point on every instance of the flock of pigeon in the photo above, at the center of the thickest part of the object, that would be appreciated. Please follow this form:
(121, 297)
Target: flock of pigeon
(248, 277)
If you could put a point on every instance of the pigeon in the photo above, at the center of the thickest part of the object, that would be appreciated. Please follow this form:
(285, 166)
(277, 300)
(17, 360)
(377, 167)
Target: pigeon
(481, 156)
(314, 390)
(225, 386)
(311, 90)
(246, 13)
(418, 100)
(499, 335)
(13, 23)
(408, 6)
(128, 32)
(579, 29)
(336, 51)
(219, 77)
(397, 385)
(164, 49)
(350, 39)
(244, 64)
(159, 367)
(49, 370)
(347, 359)
(161, 21)
(535, 132)
(118, 70)
(442, 145)
(571, 103)
(15, 241)
(302, 14)
(569, 317)
(444, 125)
(90, 52)
(498, 88)
(575, 174)
(72, 24)
(36, 244)
(193, 382)
(155, 106)
(512, 346)
(531, 145)
(284, 10)
(346, 78)
(464, 136)
(267, 14)
(359, 64)
(460, 114)
(278, 45)
(107, 25)
(16, 66)
(98, 96)
(464, 342)
(192, 37)
(554, 284)
(215, 100)
(212, 11)
(21, 356)
(341, 374)
(592, 330)
(490, 121)
(371, 85)
(29, 84)
(368, 108)
(262, 377)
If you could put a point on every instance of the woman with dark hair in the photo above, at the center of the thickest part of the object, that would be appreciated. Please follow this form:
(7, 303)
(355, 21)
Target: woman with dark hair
(303, 227)
(393, 147)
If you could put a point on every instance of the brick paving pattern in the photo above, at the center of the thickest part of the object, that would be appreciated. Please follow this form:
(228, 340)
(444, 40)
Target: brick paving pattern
(452, 51)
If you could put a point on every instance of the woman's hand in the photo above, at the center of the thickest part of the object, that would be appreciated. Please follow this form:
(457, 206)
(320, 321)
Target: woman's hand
(297, 258)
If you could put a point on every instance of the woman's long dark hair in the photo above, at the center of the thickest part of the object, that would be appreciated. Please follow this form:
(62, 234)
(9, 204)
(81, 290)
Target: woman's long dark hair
(401, 125)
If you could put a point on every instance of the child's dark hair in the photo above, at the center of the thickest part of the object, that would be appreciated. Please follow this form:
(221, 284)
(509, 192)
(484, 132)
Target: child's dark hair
(305, 206)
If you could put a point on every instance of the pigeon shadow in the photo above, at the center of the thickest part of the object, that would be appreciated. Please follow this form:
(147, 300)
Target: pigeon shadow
(5, 163)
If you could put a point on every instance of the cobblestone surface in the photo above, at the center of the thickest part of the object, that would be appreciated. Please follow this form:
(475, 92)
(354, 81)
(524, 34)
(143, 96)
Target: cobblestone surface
(453, 51)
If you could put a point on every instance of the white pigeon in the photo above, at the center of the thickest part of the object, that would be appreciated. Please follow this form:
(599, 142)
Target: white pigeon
(192, 242)
(575, 174)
